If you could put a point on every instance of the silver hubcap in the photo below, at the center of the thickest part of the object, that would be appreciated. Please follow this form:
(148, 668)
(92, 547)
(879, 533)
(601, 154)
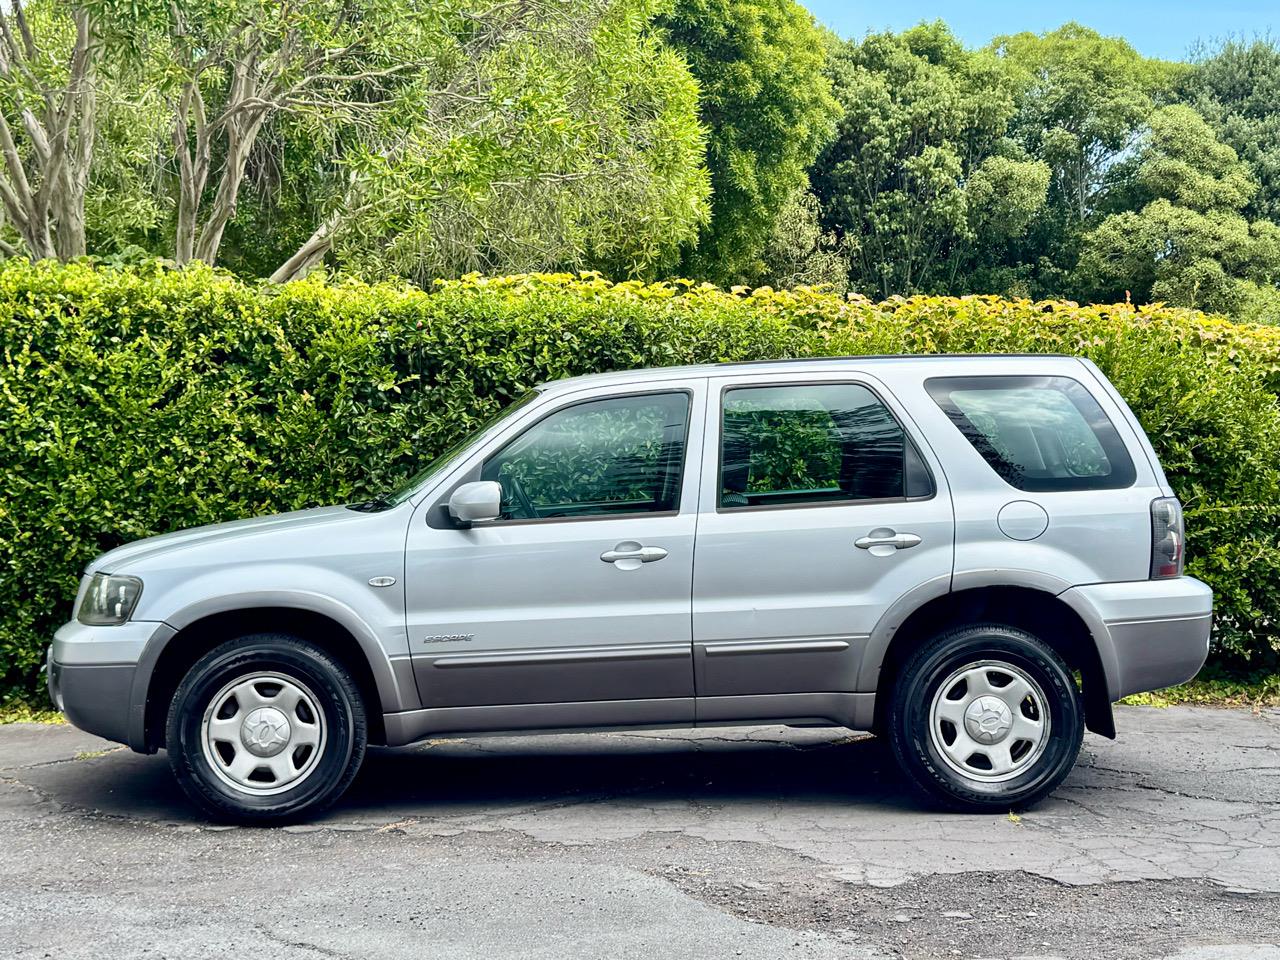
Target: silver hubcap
(263, 733)
(989, 721)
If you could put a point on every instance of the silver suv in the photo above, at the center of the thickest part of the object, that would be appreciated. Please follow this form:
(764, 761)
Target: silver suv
(972, 556)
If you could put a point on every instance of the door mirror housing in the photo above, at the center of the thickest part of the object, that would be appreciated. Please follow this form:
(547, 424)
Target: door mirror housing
(476, 502)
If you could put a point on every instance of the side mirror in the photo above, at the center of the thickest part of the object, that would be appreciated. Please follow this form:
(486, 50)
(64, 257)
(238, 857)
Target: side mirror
(476, 502)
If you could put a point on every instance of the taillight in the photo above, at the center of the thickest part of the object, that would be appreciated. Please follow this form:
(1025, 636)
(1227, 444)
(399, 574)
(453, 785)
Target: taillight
(1168, 539)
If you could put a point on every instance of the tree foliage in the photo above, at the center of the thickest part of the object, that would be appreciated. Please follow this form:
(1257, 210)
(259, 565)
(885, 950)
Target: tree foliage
(1185, 240)
(767, 107)
(1056, 164)
(800, 252)
(729, 140)
(921, 167)
(1236, 88)
(410, 139)
(1082, 99)
(575, 144)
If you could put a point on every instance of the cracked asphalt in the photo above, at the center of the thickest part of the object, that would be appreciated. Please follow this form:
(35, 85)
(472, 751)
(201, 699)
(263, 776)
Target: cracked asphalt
(757, 842)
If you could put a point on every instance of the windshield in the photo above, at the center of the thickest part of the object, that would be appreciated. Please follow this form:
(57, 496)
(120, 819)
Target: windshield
(402, 493)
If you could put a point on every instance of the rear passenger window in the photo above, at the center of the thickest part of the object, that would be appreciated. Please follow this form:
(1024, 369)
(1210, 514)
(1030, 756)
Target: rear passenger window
(1038, 433)
(811, 444)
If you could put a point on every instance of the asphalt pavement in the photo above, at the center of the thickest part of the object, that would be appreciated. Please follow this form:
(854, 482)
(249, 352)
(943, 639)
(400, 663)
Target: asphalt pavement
(748, 842)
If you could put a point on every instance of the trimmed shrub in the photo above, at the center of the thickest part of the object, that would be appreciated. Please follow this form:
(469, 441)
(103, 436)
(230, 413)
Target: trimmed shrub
(133, 402)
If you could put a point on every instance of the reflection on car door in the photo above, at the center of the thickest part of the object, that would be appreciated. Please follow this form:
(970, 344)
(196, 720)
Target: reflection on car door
(580, 594)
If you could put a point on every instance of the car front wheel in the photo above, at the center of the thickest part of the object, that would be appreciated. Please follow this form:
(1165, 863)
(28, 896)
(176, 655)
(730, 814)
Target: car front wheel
(986, 717)
(266, 728)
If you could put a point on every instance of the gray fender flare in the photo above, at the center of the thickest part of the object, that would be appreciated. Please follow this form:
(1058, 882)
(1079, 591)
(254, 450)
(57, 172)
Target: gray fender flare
(395, 692)
(893, 619)
(889, 625)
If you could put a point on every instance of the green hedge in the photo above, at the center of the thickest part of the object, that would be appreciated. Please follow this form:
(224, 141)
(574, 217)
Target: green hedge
(135, 402)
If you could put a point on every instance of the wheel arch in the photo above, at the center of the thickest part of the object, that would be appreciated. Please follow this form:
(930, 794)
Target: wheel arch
(194, 632)
(1037, 609)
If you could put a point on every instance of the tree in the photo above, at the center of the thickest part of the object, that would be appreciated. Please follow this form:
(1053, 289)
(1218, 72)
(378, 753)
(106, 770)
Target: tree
(920, 173)
(1236, 88)
(800, 253)
(573, 143)
(226, 69)
(1188, 243)
(443, 138)
(767, 107)
(410, 139)
(236, 67)
(47, 125)
(1082, 100)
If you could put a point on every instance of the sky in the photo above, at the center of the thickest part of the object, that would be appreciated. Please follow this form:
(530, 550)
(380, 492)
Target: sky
(1156, 28)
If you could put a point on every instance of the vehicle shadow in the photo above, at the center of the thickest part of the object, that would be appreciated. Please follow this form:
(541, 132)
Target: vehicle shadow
(485, 776)
(454, 777)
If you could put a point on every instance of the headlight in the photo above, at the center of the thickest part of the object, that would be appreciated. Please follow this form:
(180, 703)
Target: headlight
(109, 600)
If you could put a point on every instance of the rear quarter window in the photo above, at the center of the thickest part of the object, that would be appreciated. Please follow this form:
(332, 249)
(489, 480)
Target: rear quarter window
(1038, 434)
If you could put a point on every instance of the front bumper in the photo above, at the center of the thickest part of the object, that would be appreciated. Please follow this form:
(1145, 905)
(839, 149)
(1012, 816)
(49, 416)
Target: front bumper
(90, 674)
(1150, 633)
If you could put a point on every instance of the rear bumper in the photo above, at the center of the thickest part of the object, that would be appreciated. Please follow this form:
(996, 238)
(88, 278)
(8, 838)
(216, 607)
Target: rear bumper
(1150, 633)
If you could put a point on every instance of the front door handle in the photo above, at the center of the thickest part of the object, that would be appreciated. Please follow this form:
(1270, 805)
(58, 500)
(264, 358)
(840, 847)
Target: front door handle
(888, 539)
(628, 555)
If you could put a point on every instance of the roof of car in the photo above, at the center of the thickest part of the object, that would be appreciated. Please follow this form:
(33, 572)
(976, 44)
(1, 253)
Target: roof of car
(802, 365)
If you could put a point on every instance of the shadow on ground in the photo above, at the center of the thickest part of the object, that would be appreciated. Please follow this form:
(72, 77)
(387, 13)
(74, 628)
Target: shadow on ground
(485, 773)
(484, 776)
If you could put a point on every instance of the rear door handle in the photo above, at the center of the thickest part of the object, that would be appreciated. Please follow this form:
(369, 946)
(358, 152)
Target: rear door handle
(885, 537)
(628, 555)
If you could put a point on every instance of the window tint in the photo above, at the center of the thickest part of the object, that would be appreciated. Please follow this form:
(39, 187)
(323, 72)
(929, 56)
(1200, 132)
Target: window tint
(1037, 433)
(613, 456)
(813, 443)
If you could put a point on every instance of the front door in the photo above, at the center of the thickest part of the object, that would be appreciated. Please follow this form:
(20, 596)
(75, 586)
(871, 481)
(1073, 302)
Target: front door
(580, 593)
(819, 511)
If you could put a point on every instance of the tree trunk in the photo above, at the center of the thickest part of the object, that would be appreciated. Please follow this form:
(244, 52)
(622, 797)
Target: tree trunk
(69, 241)
(43, 190)
(193, 167)
(78, 135)
(239, 144)
(310, 253)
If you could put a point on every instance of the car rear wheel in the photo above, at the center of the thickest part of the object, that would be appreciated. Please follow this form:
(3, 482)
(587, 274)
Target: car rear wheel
(986, 717)
(266, 728)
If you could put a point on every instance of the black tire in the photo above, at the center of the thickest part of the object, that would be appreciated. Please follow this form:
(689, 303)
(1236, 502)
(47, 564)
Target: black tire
(914, 746)
(329, 686)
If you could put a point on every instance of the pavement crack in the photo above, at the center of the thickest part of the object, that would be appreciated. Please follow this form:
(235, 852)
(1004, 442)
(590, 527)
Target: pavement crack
(1133, 781)
(296, 944)
(77, 758)
(41, 795)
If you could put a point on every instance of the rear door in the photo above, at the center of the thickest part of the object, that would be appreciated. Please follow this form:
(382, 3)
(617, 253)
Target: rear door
(820, 508)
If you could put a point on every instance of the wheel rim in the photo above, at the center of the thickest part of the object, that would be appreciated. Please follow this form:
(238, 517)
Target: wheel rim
(263, 733)
(989, 721)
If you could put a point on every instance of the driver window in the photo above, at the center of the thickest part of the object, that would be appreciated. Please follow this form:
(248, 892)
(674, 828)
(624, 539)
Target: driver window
(619, 455)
